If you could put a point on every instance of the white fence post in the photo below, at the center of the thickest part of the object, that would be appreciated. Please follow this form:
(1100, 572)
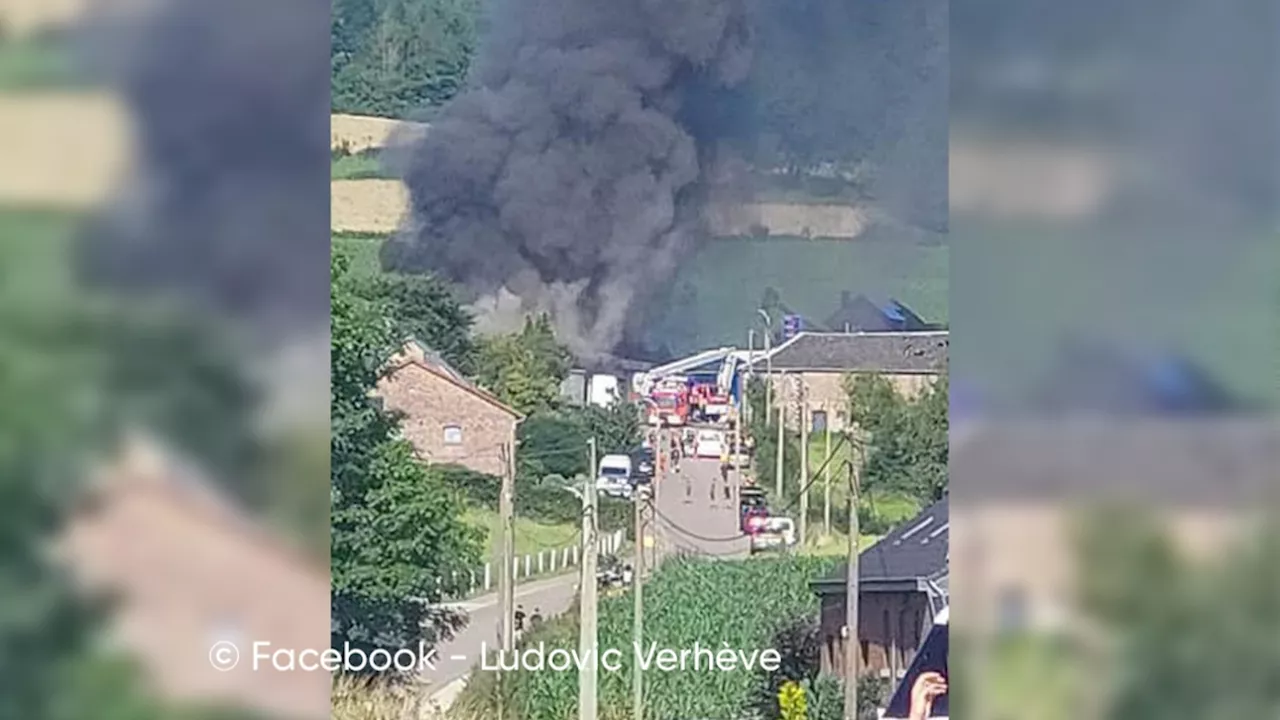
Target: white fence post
(488, 576)
(472, 585)
(541, 568)
(515, 568)
(528, 563)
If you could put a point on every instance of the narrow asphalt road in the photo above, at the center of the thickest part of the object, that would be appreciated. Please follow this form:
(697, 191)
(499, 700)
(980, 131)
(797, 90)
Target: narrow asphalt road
(455, 658)
(697, 511)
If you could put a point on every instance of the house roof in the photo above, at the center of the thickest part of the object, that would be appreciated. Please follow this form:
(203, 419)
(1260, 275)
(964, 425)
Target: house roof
(859, 313)
(1167, 462)
(914, 552)
(415, 353)
(896, 352)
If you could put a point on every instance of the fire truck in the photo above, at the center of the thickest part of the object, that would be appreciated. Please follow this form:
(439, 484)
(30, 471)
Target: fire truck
(669, 405)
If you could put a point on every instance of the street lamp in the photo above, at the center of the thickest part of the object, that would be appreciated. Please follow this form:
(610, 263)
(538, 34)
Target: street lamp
(768, 359)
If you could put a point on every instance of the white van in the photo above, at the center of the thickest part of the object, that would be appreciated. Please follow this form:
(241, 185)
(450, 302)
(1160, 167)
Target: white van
(614, 475)
(709, 444)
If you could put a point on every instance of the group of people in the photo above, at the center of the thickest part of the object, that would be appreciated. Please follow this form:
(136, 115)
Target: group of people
(533, 619)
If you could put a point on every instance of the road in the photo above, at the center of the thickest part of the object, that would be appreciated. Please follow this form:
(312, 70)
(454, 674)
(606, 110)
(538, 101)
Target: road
(455, 658)
(697, 512)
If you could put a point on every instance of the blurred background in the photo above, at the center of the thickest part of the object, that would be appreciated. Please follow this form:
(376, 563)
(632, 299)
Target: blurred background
(163, 364)
(1114, 302)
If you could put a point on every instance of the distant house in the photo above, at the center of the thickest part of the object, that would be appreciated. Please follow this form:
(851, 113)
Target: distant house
(447, 418)
(816, 365)
(1030, 483)
(902, 585)
(188, 570)
(858, 313)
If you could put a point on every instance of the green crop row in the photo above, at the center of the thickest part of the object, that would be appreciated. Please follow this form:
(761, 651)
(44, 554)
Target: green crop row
(713, 604)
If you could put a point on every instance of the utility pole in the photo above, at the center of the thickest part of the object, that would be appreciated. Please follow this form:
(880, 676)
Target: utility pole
(506, 514)
(768, 361)
(782, 449)
(826, 477)
(587, 608)
(851, 643)
(804, 462)
(637, 630)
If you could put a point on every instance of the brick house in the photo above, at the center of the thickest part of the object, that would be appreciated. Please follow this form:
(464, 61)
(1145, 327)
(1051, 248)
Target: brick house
(816, 365)
(448, 418)
(186, 569)
(902, 586)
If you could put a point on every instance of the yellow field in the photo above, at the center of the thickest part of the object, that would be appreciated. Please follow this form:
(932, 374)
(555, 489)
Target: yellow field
(69, 149)
(61, 149)
(24, 17)
(374, 206)
(358, 132)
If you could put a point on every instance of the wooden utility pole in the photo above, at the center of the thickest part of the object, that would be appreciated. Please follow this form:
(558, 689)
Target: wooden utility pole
(587, 601)
(782, 449)
(851, 642)
(637, 630)
(826, 477)
(506, 551)
(804, 464)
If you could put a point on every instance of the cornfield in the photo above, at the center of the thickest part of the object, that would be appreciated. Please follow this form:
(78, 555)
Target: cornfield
(738, 605)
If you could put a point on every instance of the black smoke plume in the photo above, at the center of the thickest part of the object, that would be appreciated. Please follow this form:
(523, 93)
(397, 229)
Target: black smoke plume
(569, 178)
(227, 204)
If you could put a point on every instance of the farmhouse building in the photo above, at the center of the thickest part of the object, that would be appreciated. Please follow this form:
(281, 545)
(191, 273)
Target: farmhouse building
(902, 585)
(814, 366)
(447, 418)
(187, 570)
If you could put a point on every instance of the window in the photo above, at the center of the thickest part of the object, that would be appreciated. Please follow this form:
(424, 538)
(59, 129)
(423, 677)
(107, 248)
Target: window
(819, 420)
(452, 435)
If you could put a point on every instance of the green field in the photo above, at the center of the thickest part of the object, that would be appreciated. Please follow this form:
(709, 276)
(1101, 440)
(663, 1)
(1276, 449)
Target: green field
(33, 245)
(361, 166)
(714, 296)
(36, 63)
(531, 537)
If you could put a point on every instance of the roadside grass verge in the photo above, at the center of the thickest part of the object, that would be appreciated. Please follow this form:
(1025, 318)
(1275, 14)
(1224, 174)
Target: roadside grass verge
(532, 537)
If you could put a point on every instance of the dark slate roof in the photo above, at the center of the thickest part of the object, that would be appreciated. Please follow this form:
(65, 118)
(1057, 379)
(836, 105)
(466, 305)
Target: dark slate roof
(1167, 462)
(915, 551)
(897, 352)
(859, 313)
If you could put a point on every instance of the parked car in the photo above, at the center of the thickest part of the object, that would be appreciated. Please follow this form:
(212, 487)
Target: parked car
(642, 461)
(710, 444)
(614, 475)
(774, 533)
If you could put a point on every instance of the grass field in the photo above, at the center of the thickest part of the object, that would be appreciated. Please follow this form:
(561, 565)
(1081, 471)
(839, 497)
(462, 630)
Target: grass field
(360, 166)
(36, 63)
(33, 246)
(531, 537)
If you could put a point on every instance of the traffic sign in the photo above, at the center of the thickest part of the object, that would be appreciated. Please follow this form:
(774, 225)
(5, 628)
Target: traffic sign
(791, 325)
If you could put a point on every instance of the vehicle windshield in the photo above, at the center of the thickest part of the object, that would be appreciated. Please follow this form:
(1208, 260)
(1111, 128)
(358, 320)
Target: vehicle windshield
(613, 472)
(666, 401)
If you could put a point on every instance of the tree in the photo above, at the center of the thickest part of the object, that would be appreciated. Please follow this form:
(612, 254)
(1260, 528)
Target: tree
(908, 437)
(424, 308)
(525, 369)
(1167, 614)
(395, 57)
(395, 525)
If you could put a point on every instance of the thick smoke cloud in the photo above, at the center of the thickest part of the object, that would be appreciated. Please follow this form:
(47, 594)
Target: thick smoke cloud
(569, 180)
(227, 204)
